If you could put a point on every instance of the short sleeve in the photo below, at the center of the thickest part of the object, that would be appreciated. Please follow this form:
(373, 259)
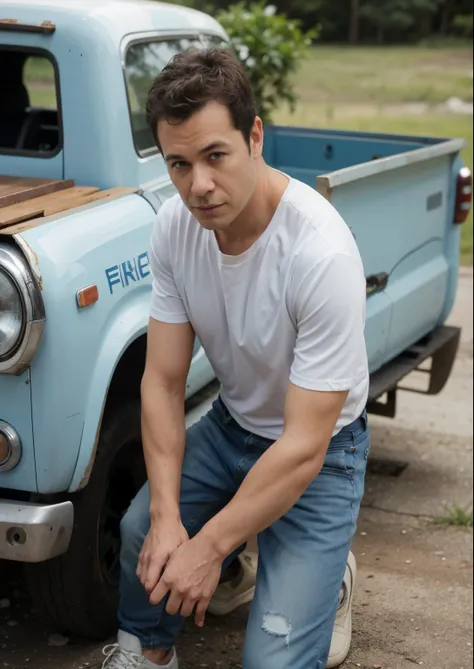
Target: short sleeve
(166, 303)
(329, 309)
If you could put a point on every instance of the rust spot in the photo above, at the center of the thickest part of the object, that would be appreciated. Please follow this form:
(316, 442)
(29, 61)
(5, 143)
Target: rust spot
(32, 258)
(88, 471)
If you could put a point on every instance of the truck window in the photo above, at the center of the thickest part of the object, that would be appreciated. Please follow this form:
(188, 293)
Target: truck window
(144, 60)
(29, 109)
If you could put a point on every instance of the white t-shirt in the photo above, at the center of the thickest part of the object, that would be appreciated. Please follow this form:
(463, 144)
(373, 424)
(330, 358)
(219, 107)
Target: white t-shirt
(291, 308)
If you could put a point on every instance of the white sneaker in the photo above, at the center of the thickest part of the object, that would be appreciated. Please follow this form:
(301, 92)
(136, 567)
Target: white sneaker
(127, 654)
(240, 590)
(342, 633)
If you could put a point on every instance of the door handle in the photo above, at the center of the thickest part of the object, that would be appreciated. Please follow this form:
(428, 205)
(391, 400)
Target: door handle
(376, 283)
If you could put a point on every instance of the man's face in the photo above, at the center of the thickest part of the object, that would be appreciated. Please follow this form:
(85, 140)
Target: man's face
(211, 165)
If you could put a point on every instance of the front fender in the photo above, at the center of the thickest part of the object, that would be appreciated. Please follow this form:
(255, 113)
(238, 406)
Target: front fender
(123, 328)
(105, 245)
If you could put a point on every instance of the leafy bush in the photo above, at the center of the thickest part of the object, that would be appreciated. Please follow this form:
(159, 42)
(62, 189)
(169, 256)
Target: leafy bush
(271, 48)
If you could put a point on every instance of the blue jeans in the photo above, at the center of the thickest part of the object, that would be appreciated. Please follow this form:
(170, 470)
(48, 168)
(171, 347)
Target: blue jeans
(302, 557)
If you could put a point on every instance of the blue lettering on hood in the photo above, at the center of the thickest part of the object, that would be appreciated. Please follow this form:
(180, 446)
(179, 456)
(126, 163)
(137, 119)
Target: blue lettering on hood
(128, 272)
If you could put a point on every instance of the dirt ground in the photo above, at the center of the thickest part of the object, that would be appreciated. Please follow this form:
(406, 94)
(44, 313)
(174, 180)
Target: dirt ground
(413, 604)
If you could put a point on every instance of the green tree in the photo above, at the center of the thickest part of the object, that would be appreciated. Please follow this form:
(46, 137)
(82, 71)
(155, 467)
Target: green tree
(369, 20)
(354, 23)
(460, 17)
(399, 17)
(271, 48)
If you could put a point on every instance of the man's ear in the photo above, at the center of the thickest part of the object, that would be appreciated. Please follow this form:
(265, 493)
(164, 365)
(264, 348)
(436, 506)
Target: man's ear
(256, 138)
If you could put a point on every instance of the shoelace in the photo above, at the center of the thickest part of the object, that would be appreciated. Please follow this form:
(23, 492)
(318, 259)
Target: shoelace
(118, 658)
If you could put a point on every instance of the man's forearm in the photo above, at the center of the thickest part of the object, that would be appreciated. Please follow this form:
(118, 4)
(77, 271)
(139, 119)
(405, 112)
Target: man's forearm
(163, 433)
(270, 490)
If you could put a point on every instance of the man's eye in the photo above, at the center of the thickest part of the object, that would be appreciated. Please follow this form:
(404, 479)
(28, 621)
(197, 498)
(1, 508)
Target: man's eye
(179, 165)
(216, 156)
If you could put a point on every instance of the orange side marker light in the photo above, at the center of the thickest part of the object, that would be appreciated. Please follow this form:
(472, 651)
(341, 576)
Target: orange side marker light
(87, 296)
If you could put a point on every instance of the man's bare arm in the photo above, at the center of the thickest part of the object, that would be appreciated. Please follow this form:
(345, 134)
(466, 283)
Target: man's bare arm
(282, 474)
(163, 388)
(169, 354)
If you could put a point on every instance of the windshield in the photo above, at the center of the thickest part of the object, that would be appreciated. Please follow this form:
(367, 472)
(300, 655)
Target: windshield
(143, 62)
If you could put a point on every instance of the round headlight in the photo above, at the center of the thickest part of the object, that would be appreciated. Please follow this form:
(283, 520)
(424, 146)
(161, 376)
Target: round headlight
(11, 314)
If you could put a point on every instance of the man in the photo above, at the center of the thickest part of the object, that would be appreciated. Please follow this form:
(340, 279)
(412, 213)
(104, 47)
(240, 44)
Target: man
(264, 271)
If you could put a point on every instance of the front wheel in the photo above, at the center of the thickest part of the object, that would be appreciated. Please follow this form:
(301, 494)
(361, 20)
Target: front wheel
(78, 591)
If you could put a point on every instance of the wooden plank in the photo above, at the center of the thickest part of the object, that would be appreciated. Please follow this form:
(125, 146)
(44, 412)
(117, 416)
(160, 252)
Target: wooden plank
(14, 190)
(83, 199)
(105, 195)
(36, 207)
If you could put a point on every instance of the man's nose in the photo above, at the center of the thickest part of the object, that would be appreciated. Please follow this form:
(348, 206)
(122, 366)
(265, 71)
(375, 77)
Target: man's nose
(202, 182)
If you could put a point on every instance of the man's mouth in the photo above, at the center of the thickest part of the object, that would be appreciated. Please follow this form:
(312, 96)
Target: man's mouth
(209, 208)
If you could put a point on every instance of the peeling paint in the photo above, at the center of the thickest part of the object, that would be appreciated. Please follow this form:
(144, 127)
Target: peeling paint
(32, 258)
(88, 470)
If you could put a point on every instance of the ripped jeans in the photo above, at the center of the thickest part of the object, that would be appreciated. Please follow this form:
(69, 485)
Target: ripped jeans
(302, 557)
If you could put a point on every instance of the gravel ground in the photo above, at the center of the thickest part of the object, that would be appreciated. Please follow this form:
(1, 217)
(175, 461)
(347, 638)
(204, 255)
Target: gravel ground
(413, 604)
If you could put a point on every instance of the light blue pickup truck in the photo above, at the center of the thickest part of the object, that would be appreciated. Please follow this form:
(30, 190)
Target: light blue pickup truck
(81, 183)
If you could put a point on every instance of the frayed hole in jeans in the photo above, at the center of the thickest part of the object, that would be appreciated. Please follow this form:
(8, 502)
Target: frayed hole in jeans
(277, 625)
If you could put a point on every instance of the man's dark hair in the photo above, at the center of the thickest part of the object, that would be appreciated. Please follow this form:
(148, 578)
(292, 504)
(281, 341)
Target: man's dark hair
(194, 78)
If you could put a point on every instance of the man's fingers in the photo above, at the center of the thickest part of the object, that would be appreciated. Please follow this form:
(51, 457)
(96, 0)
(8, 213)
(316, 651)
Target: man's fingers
(201, 609)
(142, 565)
(142, 568)
(187, 607)
(153, 573)
(159, 593)
(174, 604)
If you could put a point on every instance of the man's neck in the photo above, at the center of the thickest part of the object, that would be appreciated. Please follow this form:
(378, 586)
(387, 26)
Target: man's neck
(257, 215)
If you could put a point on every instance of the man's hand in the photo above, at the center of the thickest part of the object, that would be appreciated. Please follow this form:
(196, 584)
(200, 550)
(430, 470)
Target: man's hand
(191, 577)
(161, 542)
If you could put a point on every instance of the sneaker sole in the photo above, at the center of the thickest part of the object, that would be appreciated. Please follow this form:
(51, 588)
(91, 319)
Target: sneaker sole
(337, 660)
(217, 609)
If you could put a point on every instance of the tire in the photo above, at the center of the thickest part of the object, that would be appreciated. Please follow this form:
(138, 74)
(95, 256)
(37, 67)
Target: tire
(78, 591)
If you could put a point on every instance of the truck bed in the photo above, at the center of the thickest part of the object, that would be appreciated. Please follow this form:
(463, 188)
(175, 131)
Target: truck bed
(26, 203)
(311, 153)
(397, 194)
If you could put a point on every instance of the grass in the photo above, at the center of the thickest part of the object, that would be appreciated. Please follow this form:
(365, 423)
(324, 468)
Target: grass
(392, 90)
(455, 516)
(386, 74)
(39, 79)
(39, 70)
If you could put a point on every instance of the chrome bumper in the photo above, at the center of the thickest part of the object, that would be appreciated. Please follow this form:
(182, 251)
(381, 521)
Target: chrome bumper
(34, 532)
